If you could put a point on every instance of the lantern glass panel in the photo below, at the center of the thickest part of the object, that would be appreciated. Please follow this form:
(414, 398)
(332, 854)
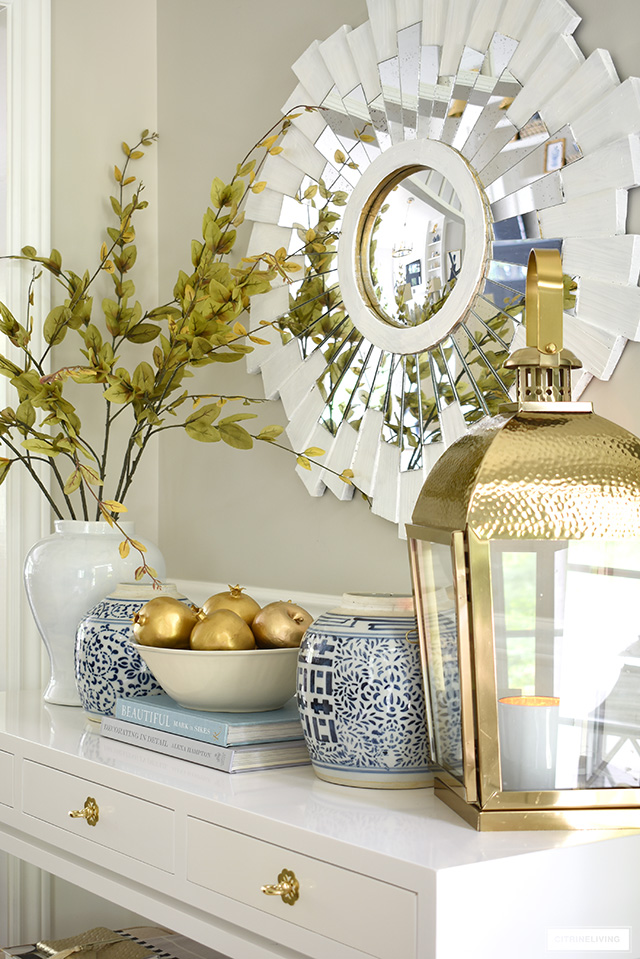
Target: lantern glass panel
(567, 641)
(438, 628)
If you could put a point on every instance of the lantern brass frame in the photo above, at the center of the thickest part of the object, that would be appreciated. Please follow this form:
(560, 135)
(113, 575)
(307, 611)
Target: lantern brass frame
(478, 798)
(517, 481)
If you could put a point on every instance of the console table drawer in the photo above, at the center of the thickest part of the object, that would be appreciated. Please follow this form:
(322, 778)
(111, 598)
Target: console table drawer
(356, 910)
(126, 824)
(6, 778)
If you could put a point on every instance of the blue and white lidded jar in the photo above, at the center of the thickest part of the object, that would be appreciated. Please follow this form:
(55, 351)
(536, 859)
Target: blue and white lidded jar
(106, 664)
(360, 694)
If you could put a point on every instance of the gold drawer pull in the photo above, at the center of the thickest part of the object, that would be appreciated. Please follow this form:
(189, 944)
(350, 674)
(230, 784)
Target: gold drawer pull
(287, 887)
(90, 812)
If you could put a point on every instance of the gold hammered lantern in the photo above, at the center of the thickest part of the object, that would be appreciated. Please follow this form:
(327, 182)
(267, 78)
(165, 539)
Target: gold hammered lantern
(525, 561)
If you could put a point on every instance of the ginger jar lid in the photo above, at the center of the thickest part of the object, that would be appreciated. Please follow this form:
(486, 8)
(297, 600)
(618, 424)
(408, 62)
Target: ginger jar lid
(377, 604)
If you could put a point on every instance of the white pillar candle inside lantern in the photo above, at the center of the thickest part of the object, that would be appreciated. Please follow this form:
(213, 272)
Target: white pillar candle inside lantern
(528, 734)
(525, 556)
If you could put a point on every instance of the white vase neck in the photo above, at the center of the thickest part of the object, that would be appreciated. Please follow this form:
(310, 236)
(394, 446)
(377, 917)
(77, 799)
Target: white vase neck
(92, 527)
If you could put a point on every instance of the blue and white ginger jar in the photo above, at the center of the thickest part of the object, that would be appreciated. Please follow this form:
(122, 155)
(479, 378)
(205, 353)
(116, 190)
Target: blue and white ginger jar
(360, 694)
(106, 664)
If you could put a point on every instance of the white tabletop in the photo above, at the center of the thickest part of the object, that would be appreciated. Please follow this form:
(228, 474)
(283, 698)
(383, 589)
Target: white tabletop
(409, 825)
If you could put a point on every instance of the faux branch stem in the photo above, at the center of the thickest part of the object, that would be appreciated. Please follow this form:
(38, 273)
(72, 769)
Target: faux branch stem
(27, 463)
(346, 475)
(109, 509)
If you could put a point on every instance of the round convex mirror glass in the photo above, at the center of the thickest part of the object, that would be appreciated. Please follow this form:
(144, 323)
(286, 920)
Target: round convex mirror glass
(414, 249)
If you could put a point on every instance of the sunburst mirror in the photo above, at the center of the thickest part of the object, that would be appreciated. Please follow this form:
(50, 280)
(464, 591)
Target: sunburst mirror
(452, 137)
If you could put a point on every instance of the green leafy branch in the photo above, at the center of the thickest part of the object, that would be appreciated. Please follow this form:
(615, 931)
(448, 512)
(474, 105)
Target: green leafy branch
(201, 325)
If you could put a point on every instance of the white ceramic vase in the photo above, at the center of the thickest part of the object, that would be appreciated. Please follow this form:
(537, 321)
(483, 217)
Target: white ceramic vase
(65, 575)
(360, 694)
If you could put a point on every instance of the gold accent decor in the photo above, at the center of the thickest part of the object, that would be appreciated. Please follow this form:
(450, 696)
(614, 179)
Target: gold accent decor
(505, 479)
(287, 887)
(89, 811)
(92, 937)
(515, 820)
(514, 480)
(97, 943)
(164, 621)
(465, 658)
(544, 367)
(544, 300)
(280, 625)
(367, 224)
(525, 549)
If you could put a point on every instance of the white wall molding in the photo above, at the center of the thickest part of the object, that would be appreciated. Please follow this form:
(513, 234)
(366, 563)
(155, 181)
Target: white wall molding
(28, 221)
(27, 903)
(315, 603)
(25, 892)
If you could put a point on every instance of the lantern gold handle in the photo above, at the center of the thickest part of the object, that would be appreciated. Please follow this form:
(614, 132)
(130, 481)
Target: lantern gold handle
(287, 887)
(89, 811)
(544, 301)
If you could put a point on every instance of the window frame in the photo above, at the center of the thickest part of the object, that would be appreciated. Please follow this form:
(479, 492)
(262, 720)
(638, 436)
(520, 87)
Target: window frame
(25, 892)
(24, 515)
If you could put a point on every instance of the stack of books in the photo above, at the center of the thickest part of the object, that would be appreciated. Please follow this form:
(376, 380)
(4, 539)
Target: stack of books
(231, 742)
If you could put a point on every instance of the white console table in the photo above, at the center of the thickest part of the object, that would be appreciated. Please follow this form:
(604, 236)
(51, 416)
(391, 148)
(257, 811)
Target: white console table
(383, 873)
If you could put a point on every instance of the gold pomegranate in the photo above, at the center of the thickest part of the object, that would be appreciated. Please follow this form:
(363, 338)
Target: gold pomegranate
(164, 621)
(280, 624)
(234, 599)
(221, 629)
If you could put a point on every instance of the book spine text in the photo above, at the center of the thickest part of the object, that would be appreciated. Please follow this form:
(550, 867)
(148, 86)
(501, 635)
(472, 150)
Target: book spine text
(158, 717)
(207, 754)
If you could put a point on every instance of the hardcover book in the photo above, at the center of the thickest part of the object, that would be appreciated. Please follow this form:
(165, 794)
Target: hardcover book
(230, 759)
(222, 729)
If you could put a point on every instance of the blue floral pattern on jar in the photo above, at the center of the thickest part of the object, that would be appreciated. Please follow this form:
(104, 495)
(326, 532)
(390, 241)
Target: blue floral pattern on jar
(361, 700)
(446, 699)
(106, 663)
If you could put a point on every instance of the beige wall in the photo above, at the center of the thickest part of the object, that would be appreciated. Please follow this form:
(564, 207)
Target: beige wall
(228, 515)
(103, 91)
(223, 72)
(615, 27)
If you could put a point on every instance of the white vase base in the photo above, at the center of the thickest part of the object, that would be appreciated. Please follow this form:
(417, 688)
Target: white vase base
(61, 694)
(368, 780)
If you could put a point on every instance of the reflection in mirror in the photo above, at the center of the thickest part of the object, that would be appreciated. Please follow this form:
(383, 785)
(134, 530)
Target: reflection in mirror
(414, 249)
(396, 107)
(493, 88)
(410, 391)
(409, 60)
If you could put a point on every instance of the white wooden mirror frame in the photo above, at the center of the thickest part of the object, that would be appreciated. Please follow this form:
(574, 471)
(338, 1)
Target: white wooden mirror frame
(429, 154)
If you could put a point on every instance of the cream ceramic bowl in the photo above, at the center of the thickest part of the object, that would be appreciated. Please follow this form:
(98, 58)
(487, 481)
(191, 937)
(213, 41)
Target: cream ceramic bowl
(231, 681)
